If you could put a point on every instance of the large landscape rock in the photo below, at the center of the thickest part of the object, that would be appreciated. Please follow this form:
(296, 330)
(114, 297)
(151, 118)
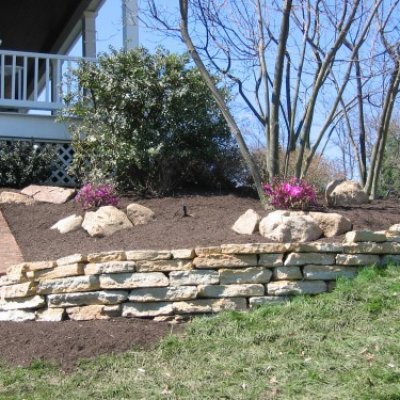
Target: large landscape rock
(139, 215)
(247, 223)
(15, 198)
(105, 221)
(49, 194)
(345, 193)
(68, 224)
(290, 226)
(332, 224)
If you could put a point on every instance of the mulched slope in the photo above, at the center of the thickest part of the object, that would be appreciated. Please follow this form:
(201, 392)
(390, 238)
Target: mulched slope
(64, 343)
(212, 217)
(209, 224)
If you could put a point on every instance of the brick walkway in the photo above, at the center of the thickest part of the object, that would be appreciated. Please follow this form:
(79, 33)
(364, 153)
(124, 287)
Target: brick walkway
(9, 250)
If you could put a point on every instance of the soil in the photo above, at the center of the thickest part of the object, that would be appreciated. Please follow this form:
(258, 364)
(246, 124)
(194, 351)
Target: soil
(65, 343)
(210, 218)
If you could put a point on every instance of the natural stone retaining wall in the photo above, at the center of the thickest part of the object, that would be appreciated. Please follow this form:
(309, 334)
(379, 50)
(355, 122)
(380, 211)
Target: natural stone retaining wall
(186, 281)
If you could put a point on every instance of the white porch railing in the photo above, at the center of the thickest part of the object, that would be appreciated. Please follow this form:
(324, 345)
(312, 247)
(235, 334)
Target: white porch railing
(34, 80)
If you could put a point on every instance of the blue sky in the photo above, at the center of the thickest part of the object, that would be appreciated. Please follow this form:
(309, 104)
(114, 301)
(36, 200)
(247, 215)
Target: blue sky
(109, 31)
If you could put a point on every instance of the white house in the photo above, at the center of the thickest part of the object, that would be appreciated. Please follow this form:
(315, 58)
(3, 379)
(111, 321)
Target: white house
(35, 39)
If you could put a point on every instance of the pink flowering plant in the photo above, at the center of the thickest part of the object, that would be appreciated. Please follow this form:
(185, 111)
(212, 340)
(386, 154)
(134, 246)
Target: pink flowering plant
(291, 194)
(91, 196)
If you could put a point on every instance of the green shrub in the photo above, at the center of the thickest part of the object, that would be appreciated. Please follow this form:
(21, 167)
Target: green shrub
(23, 163)
(147, 123)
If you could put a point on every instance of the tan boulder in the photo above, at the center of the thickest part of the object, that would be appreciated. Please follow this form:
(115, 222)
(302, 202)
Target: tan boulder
(332, 224)
(345, 193)
(15, 198)
(138, 214)
(247, 223)
(105, 221)
(290, 226)
(49, 194)
(68, 224)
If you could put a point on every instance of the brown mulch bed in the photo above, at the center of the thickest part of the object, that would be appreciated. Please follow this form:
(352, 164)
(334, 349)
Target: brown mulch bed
(211, 217)
(65, 343)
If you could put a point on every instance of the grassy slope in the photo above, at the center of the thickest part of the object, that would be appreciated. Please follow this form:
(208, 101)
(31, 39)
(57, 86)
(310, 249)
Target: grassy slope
(342, 345)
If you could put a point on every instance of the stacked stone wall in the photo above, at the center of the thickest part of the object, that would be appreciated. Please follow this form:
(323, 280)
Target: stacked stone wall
(149, 283)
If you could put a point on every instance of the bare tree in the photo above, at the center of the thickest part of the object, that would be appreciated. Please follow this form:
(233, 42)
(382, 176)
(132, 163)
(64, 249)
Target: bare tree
(292, 62)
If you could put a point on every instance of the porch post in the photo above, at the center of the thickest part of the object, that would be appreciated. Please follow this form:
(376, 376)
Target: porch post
(130, 29)
(89, 34)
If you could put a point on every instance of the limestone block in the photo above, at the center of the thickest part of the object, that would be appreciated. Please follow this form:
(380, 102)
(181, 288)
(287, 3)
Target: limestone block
(58, 272)
(207, 251)
(170, 293)
(88, 313)
(164, 265)
(109, 267)
(245, 275)
(139, 215)
(394, 229)
(287, 273)
(23, 303)
(15, 198)
(309, 258)
(118, 255)
(286, 288)
(364, 236)
(332, 224)
(372, 248)
(328, 272)
(50, 314)
(72, 259)
(105, 221)
(146, 309)
(7, 280)
(220, 291)
(17, 315)
(133, 280)
(390, 259)
(203, 306)
(263, 300)
(39, 265)
(19, 290)
(270, 260)
(316, 247)
(247, 223)
(49, 194)
(392, 236)
(357, 259)
(68, 224)
(188, 278)
(184, 254)
(17, 270)
(225, 261)
(138, 255)
(105, 297)
(69, 285)
(255, 248)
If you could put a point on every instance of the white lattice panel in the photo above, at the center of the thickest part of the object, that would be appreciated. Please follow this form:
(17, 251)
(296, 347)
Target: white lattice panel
(59, 175)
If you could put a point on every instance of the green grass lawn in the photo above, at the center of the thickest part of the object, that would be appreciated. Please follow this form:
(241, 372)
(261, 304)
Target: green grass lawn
(342, 345)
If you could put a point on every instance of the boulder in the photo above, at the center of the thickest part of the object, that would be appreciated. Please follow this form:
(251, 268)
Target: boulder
(332, 224)
(290, 226)
(138, 214)
(247, 223)
(49, 194)
(68, 224)
(15, 198)
(345, 193)
(105, 221)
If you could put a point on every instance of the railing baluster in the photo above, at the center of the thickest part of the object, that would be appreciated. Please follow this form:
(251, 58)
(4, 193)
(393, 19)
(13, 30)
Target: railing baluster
(47, 81)
(13, 75)
(25, 79)
(36, 79)
(2, 80)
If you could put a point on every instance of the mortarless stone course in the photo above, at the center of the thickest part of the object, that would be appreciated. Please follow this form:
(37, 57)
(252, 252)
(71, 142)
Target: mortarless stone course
(261, 300)
(357, 259)
(328, 272)
(245, 275)
(199, 277)
(225, 261)
(133, 280)
(169, 293)
(87, 298)
(220, 291)
(110, 267)
(309, 258)
(287, 273)
(286, 288)
(69, 285)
